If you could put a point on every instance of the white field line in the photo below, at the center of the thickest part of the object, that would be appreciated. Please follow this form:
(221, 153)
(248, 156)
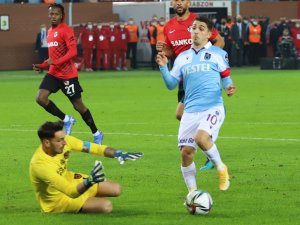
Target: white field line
(163, 135)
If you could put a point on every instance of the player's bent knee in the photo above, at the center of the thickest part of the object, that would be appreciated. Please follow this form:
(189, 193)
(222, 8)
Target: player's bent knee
(40, 100)
(187, 152)
(107, 207)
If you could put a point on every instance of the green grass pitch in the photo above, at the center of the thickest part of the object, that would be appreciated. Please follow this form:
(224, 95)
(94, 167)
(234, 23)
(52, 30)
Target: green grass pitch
(259, 142)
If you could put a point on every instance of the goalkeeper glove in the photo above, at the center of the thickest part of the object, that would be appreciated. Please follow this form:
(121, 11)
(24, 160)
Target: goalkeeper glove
(96, 176)
(123, 156)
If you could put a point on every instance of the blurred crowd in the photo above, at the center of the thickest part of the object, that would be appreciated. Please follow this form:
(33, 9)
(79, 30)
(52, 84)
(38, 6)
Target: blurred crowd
(248, 39)
(113, 45)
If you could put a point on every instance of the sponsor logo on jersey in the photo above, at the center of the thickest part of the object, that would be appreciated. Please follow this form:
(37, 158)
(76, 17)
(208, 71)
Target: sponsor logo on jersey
(196, 68)
(186, 140)
(66, 156)
(207, 56)
(182, 42)
(52, 44)
(189, 29)
(77, 176)
(55, 34)
(172, 31)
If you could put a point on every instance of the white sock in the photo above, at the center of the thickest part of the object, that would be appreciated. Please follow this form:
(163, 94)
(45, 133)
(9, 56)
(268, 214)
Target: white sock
(214, 155)
(189, 176)
(67, 118)
(97, 133)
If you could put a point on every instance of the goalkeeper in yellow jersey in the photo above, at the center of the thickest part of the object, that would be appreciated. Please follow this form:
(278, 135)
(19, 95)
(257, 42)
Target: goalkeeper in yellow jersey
(60, 190)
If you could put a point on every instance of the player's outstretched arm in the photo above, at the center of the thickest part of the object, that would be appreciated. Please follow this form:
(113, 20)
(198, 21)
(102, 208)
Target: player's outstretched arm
(103, 150)
(124, 156)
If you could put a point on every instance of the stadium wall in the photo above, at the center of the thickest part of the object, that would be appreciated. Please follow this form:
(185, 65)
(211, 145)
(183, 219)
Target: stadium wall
(17, 44)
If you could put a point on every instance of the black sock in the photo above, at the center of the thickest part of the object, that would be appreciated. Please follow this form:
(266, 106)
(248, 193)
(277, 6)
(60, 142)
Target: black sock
(52, 108)
(88, 119)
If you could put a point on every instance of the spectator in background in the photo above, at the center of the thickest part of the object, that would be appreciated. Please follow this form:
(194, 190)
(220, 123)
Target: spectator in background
(286, 46)
(102, 36)
(237, 42)
(82, 26)
(273, 37)
(254, 39)
(296, 35)
(41, 46)
(114, 45)
(151, 34)
(160, 29)
(88, 43)
(132, 42)
(225, 33)
(160, 37)
(263, 22)
(245, 26)
(124, 35)
(229, 24)
(49, 1)
(217, 25)
(283, 25)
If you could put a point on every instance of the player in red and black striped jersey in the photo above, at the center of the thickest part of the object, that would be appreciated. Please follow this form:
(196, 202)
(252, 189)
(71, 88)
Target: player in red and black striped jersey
(62, 73)
(177, 33)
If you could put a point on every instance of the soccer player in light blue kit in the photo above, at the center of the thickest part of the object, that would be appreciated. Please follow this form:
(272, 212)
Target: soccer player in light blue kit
(204, 69)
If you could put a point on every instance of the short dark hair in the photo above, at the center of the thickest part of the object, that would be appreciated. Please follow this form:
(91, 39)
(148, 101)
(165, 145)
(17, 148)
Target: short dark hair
(48, 129)
(205, 20)
(60, 6)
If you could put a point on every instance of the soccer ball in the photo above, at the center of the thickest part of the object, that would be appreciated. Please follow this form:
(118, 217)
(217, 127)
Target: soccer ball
(198, 202)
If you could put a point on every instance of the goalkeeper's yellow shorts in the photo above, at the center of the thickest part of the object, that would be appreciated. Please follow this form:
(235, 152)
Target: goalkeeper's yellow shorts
(67, 204)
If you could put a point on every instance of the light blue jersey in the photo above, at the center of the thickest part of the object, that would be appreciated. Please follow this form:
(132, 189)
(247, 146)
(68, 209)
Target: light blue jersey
(202, 72)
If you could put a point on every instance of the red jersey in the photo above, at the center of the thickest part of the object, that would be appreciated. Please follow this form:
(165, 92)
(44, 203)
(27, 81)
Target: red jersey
(62, 49)
(296, 36)
(102, 38)
(114, 38)
(124, 35)
(178, 33)
(87, 38)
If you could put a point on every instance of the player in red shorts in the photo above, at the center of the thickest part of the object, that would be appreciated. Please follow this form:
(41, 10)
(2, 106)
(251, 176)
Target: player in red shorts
(177, 33)
(62, 74)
